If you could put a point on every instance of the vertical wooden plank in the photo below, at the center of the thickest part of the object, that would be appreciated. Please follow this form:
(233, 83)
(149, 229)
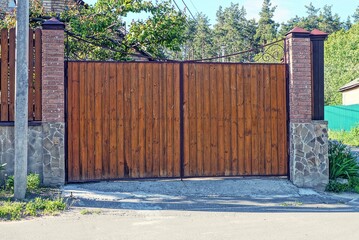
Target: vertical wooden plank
(127, 117)
(31, 75)
(90, 94)
(70, 102)
(82, 125)
(247, 120)
(162, 122)
(261, 121)
(234, 120)
(282, 121)
(12, 74)
(120, 122)
(176, 121)
(220, 116)
(254, 120)
(268, 125)
(213, 116)
(75, 122)
(169, 120)
(274, 115)
(199, 118)
(156, 113)
(192, 109)
(38, 73)
(113, 120)
(98, 119)
(241, 120)
(227, 122)
(134, 120)
(206, 121)
(186, 119)
(4, 76)
(141, 119)
(149, 119)
(105, 88)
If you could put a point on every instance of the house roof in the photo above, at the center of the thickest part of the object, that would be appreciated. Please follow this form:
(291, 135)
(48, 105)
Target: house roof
(351, 85)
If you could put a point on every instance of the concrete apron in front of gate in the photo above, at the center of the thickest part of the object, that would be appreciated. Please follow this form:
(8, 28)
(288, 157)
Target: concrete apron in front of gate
(206, 194)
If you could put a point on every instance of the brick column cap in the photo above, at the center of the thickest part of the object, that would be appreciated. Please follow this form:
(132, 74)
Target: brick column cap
(298, 32)
(53, 24)
(318, 35)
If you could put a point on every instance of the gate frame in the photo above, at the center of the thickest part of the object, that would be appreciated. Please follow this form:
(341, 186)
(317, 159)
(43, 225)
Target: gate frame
(314, 169)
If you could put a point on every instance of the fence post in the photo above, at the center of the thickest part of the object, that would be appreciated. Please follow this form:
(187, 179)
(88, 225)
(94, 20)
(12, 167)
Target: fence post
(53, 102)
(308, 139)
(317, 39)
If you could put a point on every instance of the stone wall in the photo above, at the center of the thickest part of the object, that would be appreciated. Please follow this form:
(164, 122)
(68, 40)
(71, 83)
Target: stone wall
(309, 164)
(7, 150)
(54, 153)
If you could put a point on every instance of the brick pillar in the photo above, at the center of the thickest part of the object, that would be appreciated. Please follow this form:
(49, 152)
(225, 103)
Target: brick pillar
(53, 102)
(309, 165)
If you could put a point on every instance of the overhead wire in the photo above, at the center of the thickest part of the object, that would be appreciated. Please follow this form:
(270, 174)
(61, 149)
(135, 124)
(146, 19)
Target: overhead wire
(188, 10)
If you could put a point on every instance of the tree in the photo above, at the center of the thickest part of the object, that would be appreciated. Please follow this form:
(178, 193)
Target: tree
(234, 33)
(103, 26)
(267, 27)
(323, 20)
(202, 42)
(329, 22)
(341, 62)
(356, 15)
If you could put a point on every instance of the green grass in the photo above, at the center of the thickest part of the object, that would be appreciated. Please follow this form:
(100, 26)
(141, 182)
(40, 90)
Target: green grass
(350, 138)
(39, 201)
(89, 212)
(14, 210)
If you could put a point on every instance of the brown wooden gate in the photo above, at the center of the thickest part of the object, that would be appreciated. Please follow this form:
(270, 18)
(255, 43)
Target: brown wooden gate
(125, 120)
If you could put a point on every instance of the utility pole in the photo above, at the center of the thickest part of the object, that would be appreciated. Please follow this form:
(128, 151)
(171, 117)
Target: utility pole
(21, 98)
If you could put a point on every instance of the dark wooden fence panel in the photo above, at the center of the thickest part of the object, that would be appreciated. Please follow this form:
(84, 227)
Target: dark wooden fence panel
(235, 119)
(123, 120)
(7, 86)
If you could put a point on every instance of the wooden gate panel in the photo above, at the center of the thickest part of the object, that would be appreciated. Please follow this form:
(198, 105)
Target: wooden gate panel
(124, 120)
(234, 119)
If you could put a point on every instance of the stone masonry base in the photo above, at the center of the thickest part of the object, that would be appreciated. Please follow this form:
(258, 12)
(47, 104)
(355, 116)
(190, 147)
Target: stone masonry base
(309, 164)
(46, 152)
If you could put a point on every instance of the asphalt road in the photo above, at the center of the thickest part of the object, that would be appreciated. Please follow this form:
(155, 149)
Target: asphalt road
(182, 225)
(212, 208)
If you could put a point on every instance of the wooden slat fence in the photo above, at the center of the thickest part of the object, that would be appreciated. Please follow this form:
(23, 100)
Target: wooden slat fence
(7, 69)
(141, 120)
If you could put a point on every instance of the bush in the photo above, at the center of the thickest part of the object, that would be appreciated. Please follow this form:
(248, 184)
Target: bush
(45, 206)
(334, 186)
(11, 210)
(33, 183)
(2, 166)
(342, 163)
(9, 184)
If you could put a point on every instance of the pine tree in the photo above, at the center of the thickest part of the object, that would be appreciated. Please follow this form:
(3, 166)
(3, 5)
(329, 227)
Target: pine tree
(233, 32)
(267, 27)
(356, 15)
(203, 38)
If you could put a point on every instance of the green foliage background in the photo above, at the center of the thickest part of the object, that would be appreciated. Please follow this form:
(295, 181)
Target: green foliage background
(341, 62)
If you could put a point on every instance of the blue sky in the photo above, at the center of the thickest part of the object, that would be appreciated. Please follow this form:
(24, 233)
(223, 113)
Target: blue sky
(286, 9)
